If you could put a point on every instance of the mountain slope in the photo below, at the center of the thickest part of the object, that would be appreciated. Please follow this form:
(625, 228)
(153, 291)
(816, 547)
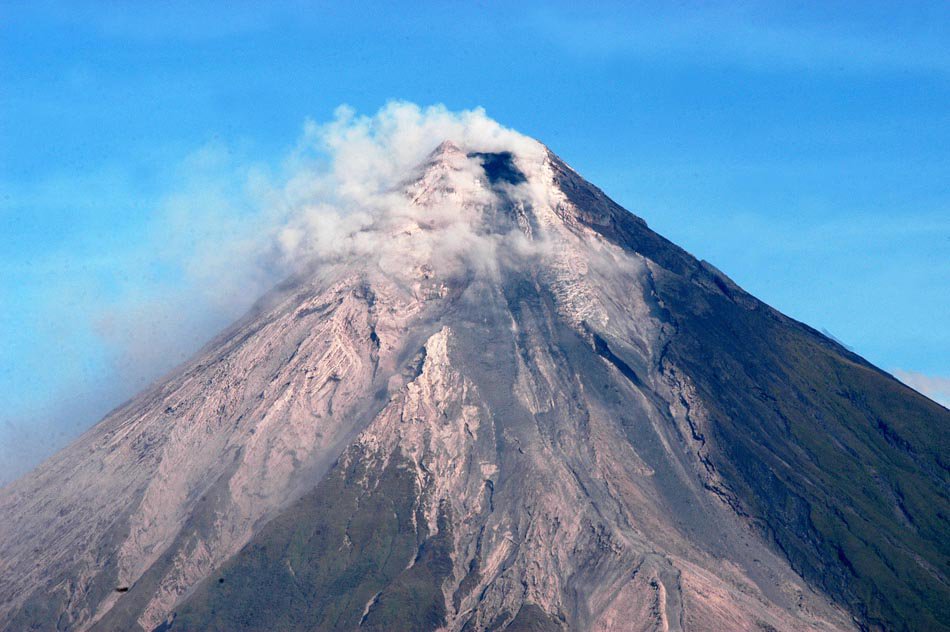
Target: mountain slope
(519, 409)
(840, 464)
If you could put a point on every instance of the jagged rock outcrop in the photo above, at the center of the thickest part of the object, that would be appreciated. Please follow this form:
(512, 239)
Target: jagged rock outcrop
(522, 410)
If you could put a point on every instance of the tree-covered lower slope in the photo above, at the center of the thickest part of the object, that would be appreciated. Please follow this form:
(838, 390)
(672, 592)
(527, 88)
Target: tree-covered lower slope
(295, 575)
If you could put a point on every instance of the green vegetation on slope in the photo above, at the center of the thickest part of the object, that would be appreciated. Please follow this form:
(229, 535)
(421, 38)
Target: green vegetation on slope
(339, 555)
(843, 467)
(840, 464)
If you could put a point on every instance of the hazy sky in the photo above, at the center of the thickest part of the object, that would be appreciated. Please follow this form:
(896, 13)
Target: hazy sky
(802, 151)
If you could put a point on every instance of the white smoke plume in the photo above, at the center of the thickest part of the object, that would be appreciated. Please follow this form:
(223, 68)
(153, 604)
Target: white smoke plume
(340, 193)
(346, 191)
(231, 230)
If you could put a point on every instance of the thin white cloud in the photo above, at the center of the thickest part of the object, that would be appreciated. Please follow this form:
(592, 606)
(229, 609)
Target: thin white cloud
(935, 387)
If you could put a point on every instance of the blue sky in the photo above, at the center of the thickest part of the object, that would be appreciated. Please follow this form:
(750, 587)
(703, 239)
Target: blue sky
(801, 149)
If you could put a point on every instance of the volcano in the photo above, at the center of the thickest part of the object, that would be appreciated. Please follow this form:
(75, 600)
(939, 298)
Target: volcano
(503, 404)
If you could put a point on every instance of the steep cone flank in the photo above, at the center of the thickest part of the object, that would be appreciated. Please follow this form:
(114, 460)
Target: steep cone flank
(506, 404)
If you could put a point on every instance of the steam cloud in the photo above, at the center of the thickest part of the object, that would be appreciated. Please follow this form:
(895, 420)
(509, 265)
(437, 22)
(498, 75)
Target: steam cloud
(232, 231)
(346, 204)
(235, 234)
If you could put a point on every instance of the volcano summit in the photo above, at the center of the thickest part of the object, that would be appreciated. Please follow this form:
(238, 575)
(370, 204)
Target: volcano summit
(494, 400)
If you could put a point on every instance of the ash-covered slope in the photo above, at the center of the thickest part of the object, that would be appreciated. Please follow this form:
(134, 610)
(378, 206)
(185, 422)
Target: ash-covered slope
(507, 404)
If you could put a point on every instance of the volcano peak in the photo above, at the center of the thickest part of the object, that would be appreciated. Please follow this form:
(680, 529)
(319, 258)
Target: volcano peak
(505, 403)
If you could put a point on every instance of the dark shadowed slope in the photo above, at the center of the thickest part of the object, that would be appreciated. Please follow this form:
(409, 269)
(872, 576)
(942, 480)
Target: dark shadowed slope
(841, 465)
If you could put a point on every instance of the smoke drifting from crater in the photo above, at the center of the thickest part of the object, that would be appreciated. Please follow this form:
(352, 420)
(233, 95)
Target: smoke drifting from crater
(347, 178)
(230, 229)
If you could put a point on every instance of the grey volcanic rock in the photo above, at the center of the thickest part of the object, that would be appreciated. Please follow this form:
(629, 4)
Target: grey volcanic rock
(526, 411)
